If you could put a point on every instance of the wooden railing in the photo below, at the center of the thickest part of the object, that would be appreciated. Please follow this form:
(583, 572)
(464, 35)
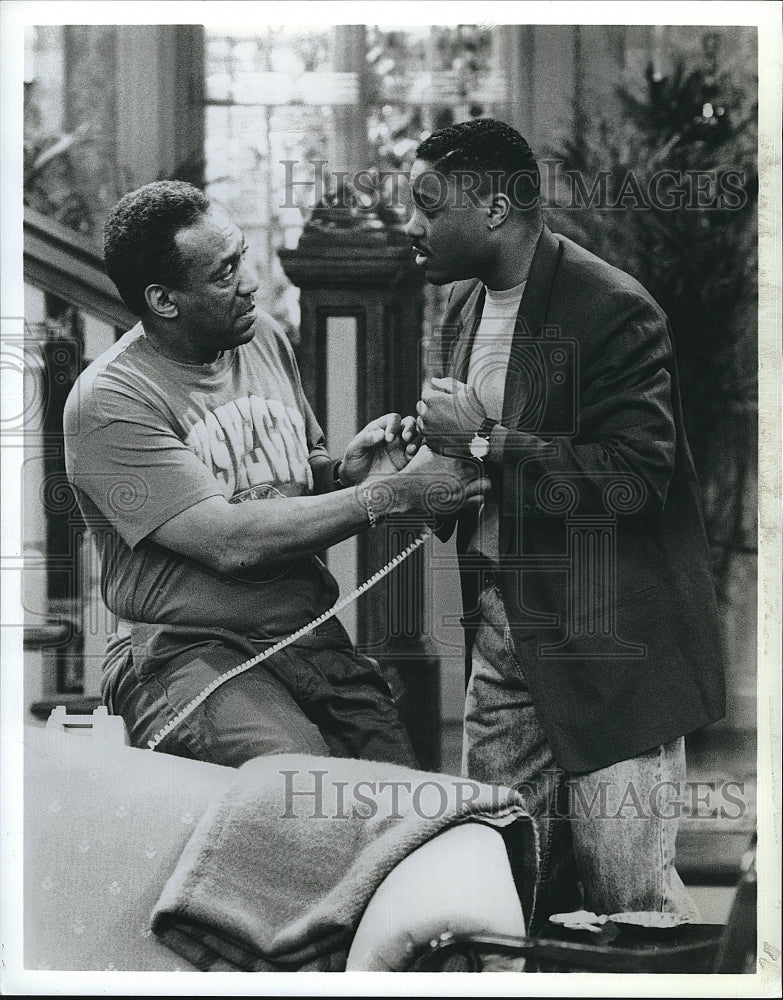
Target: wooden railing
(64, 263)
(68, 267)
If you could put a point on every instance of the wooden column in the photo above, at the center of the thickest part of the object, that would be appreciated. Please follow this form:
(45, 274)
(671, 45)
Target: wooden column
(558, 78)
(359, 356)
(349, 147)
(516, 67)
(138, 92)
(160, 108)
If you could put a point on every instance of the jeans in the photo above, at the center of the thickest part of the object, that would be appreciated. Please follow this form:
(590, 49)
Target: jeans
(607, 838)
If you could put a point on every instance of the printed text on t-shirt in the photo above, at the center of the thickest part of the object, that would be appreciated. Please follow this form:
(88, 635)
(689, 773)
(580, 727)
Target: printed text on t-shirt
(252, 440)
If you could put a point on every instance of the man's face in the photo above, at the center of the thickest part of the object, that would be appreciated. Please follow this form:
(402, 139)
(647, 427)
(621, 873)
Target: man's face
(447, 228)
(215, 308)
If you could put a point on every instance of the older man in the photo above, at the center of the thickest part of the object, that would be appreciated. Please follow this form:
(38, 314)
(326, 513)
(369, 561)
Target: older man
(592, 631)
(199, 465)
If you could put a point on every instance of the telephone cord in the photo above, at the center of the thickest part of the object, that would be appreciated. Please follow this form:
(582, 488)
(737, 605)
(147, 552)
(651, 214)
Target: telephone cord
(304, 630)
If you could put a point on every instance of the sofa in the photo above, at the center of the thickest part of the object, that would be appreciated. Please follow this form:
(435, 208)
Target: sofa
(105, 825)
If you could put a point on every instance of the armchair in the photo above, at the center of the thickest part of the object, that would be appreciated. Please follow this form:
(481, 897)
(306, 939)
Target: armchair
(105, 825)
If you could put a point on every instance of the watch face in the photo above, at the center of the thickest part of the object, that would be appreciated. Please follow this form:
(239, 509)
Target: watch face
(479, 446)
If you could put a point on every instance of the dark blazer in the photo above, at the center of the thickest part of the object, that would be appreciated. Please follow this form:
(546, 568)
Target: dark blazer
(605, 567)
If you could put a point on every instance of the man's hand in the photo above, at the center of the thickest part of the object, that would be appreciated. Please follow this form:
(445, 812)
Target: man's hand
(382, 448)
(433, 485)
(450, 413)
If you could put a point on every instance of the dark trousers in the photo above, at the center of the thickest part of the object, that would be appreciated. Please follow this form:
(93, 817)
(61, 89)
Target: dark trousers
(318, 696)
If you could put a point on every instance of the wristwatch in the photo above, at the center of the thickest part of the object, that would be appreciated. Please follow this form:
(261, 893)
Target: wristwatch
(479, 445)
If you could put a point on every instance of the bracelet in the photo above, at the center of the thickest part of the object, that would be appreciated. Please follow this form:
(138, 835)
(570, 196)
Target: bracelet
(367, 500)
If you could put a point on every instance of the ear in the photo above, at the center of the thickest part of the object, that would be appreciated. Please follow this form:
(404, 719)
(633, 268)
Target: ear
(160, 302)
(498, 210)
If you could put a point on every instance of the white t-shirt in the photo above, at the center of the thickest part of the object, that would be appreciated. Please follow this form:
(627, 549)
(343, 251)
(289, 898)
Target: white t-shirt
(487, 374)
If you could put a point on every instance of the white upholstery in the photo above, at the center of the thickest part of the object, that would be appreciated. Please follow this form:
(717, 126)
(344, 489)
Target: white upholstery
(459, 881)
(105, 824)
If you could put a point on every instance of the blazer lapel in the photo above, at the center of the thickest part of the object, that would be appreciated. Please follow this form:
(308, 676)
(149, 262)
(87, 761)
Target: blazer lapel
(462, 344)
(522, 367)
(530, 320)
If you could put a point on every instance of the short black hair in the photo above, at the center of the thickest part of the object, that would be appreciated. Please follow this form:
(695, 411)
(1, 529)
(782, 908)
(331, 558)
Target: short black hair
(482, 145)
(139, 247)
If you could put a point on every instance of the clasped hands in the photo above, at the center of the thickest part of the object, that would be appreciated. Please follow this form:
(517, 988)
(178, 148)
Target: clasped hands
(449, 414)
(392, 444)
(385, 446)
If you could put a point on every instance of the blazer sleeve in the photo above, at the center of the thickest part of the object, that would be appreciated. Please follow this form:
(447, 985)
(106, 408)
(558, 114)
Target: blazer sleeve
(621, 456)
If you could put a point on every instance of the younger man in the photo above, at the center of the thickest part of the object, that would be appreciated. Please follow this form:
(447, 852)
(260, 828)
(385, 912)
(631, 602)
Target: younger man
(591, 621)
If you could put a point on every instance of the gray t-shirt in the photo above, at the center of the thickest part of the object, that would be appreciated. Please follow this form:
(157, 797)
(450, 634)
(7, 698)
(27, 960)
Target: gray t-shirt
(147, 438)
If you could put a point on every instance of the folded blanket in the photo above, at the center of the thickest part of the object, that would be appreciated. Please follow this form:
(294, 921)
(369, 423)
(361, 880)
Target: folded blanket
(280, 868)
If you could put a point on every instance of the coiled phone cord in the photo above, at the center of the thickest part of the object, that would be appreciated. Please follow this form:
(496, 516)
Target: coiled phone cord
(242, 667)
